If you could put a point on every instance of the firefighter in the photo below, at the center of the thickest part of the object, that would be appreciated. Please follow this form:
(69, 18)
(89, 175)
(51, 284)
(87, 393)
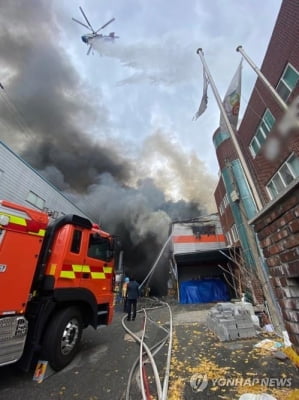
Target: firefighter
(132, 295)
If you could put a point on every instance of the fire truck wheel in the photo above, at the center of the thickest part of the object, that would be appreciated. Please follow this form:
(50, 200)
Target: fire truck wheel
(62, 337)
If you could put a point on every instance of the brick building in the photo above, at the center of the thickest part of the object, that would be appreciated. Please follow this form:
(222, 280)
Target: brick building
(272, 157)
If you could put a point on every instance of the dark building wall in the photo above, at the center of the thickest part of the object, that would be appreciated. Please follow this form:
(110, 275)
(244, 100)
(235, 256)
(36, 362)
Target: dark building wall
(284, 44)
(219, 194)
(277, 224)
(278, 232)
(283, 49)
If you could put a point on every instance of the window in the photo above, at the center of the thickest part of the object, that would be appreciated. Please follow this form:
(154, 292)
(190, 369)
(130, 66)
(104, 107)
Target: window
(254, 146)
(288, 171)
(224, 203)
(76, 241)
(234, 233)
(99, 247)
(294, 164)
(225, 200)
(35, 200)
(262, 132)
(228, 238)
(221, 210)
(287, 82)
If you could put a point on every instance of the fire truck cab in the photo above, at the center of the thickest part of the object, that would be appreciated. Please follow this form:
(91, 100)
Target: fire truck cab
(56, 278)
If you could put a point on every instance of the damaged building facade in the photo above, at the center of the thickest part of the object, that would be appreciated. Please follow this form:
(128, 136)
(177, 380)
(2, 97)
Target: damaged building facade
(202, 267)
(269, 139)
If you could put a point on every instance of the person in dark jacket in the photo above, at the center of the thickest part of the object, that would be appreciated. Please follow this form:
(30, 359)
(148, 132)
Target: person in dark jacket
(132, 296)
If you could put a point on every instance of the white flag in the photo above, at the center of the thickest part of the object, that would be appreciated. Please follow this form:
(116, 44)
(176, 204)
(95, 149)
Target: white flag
(231, 102)
(204, 100)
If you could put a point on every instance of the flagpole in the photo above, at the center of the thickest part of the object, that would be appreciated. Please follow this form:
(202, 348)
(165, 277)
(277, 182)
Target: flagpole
(232, 133)
(271, 89)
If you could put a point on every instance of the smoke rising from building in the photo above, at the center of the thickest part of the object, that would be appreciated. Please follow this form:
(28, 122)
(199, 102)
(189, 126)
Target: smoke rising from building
(52, 127)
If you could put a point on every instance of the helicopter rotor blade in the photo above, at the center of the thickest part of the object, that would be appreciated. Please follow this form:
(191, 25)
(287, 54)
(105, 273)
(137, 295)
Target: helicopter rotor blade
(104, 26)
(81, 23)
(88, 23)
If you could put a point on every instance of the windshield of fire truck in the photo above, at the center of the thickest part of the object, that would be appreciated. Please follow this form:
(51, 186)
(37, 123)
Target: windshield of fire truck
(99, 248)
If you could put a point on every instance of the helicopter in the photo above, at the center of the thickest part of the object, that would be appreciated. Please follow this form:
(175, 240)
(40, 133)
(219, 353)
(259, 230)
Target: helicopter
(89, 36)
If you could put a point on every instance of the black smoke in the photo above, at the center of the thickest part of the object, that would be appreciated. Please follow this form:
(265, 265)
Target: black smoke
(46, 117)
(52, 106)
(140, 216)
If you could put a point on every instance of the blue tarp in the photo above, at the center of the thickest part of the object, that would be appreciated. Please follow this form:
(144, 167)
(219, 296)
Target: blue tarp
(203, 291)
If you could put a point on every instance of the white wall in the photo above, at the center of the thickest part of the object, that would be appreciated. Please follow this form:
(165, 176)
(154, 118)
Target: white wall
(17, 179)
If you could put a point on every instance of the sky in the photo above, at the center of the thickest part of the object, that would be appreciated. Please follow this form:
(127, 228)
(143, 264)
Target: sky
(114, 130)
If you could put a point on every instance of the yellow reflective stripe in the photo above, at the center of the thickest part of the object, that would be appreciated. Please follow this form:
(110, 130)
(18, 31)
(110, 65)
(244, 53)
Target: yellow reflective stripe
(77, 268)
(52, 269)
(67, 274)
(98, 275)
(17, 220)
(80, 268)
(41, 232)
(23, 222)
(85, 268)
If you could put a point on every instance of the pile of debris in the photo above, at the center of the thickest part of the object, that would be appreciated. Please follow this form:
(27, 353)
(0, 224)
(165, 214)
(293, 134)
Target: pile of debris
(231, 321)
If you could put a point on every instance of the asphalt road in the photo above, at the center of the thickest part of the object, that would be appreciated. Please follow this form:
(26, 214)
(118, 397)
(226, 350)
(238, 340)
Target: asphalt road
(98, 372)
(101, 369)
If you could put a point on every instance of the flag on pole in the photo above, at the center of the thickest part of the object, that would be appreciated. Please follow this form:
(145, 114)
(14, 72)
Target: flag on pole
(204, 100)
(231, 102)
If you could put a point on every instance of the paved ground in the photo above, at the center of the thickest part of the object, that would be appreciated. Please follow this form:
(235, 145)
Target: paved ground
(205, 368)
(99, 372)
(101, 369)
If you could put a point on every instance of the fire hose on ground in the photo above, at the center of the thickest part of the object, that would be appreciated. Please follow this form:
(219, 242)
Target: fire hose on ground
(150, 353)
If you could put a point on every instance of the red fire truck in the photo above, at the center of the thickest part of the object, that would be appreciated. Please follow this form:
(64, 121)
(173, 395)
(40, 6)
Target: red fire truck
(56, 278)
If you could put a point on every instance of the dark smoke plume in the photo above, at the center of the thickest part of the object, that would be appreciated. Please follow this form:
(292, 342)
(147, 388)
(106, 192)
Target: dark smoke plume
(45, 111)
(50, 95)
(140, 216)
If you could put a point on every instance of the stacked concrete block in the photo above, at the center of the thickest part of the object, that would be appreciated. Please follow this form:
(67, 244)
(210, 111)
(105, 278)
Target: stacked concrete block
(230, 321)
(245, 325)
